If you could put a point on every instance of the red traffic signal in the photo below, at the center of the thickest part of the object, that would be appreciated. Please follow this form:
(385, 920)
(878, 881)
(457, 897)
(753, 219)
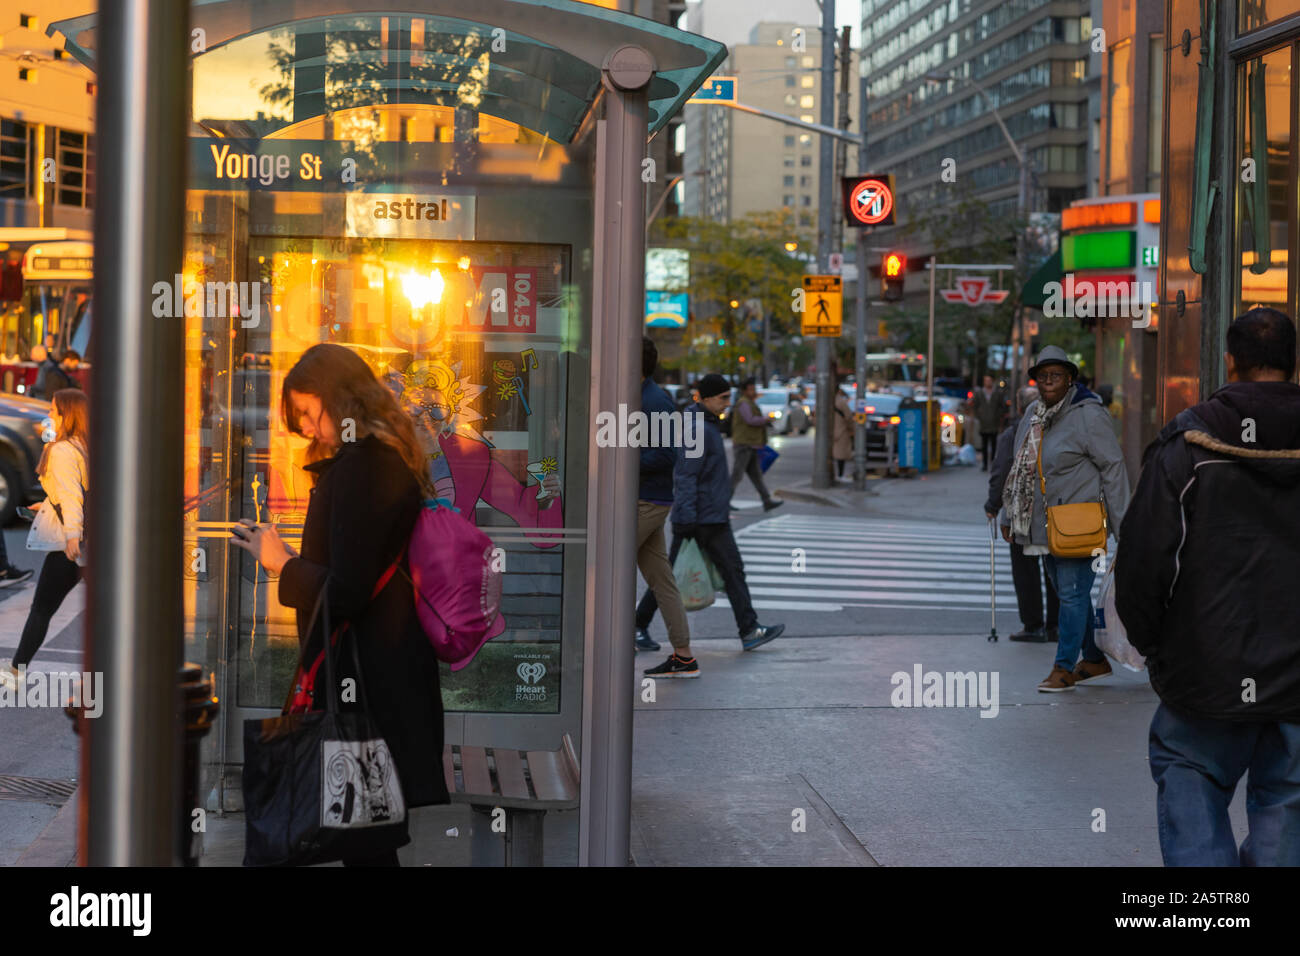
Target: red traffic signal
(892, 268)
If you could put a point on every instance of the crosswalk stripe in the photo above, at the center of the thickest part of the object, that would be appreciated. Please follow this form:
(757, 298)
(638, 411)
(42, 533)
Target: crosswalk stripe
(866, 563)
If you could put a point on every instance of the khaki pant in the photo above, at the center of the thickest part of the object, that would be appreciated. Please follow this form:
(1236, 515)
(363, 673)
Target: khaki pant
(652, 561)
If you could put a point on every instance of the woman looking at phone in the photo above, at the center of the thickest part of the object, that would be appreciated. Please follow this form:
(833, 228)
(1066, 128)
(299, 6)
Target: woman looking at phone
(369, 482)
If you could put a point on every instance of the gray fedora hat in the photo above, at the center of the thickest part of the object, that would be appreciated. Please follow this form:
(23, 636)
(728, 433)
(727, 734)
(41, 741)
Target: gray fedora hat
(1054, 355)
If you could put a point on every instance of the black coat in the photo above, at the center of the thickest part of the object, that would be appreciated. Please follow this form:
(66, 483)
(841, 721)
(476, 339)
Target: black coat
(362, 510)
(1205, 573)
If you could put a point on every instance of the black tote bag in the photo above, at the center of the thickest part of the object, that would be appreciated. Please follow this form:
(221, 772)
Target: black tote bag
(320, 786)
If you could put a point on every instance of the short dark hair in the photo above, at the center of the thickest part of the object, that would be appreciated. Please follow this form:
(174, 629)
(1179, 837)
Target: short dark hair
(1262, 338)
(649, 357)
(747, 382)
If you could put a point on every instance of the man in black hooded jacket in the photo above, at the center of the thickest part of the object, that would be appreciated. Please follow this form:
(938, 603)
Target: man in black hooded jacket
(1205, 583)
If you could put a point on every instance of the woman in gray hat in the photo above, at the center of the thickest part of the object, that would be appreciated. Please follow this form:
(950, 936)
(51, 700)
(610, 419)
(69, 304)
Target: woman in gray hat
(1081, 462)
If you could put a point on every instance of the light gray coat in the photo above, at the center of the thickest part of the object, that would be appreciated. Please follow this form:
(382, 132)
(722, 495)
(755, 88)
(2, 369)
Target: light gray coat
(1082, 461)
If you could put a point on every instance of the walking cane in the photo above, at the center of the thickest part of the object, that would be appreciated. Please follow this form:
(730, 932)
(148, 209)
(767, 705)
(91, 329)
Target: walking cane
(993, 588)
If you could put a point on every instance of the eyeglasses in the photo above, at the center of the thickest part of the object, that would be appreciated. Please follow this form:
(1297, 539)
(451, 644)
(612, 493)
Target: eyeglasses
(1051, 377)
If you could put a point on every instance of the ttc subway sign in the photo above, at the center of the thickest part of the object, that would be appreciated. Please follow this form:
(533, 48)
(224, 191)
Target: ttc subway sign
(973, 290)
(869, 200)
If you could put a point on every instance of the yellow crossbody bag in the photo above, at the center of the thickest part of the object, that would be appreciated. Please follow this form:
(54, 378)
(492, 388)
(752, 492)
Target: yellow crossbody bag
(1073, 531)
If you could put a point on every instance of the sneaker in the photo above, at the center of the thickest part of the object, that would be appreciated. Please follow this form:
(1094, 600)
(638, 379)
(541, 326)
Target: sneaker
(1085, 671)
(675, 667)
(1033, 635)
(761, 635)
(644, 642)
(732, 507)
(10, 676)
(12, 575)
(770, 504)
(1060, 679)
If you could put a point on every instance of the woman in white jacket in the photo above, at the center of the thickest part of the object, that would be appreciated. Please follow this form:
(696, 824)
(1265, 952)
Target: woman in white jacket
(58, 528)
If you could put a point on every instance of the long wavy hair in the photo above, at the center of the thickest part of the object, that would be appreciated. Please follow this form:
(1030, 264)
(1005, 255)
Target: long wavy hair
(347, 389)
(74, 423)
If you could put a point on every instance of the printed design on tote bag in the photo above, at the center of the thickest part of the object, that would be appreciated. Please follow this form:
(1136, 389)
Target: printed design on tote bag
(360, 785)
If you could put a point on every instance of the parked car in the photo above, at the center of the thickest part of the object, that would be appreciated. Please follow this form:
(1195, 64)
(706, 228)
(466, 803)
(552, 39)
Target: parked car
(23, 421)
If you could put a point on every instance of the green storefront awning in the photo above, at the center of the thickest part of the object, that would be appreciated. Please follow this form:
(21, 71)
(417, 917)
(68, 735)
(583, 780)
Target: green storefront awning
(1049, 271)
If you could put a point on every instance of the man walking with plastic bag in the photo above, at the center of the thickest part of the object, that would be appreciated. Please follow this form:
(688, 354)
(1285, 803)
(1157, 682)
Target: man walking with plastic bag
(1205, 585)
(701, 496)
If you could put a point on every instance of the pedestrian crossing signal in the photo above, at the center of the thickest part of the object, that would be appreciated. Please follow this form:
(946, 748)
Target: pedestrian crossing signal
(892, 269)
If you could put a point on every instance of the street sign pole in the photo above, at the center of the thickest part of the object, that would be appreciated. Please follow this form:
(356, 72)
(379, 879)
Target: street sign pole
(860, 352)
(929, 370)
(821, 473)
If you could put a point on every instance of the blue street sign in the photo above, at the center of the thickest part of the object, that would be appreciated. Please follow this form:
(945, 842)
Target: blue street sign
(717, 89)
(667, 310)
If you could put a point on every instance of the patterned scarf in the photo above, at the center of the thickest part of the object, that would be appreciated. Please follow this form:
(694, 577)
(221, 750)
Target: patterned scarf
(1018, 492)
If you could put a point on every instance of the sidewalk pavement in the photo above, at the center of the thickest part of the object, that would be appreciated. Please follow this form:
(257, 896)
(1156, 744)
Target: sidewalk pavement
(724, 763)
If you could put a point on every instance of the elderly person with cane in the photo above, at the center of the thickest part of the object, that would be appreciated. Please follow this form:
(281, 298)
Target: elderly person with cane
(1067, 489)
(1025, 570)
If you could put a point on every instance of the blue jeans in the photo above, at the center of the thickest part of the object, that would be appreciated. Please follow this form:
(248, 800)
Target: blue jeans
(1072, 578)
(1196, 763)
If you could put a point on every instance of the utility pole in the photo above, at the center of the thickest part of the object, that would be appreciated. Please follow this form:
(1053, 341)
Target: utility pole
(841, 145)
(821, 476)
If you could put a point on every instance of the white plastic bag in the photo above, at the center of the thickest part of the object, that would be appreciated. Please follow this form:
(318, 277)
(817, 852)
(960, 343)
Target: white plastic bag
(967, 455)
(694, 582)
(1108, 629)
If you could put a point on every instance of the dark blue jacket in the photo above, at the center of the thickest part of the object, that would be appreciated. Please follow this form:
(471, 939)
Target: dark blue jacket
(656, 463)
(704, 482)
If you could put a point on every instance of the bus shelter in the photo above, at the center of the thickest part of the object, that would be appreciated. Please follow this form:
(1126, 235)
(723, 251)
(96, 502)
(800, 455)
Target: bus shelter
(456, 192)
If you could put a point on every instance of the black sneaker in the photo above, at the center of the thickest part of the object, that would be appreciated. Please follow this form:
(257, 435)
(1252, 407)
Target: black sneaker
(1033, 635)
(761, 635)
(644, 642)
(11, 576)
(675, 667)
(769, 505)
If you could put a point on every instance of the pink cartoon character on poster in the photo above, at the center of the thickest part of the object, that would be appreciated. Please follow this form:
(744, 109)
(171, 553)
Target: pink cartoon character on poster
(461, 463)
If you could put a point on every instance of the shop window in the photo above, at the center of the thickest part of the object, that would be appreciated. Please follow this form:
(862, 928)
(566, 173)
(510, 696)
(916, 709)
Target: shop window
(1119, 118)
(1155, 108)
(1264, 220)
(1252, 16)
(13, 159)
(75, 153)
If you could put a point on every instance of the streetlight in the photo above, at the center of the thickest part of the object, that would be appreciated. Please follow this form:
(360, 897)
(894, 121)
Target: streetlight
(791, 246)
(1022, 206)
(672, 184)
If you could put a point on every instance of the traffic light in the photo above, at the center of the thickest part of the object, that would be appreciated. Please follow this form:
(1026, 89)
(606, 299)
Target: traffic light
(722, 341)
(892, 268)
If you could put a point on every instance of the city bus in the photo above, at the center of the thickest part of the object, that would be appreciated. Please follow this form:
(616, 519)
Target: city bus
(893, 369)
(54, 310)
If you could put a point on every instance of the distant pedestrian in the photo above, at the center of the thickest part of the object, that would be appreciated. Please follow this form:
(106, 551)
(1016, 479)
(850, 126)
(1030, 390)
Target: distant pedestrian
(842, 433)
(1205, 583)
(655, 501)
(1066, 454)
(990, 407)
(700, 493)
(1024, 568)
(749, 427)
(59, 527)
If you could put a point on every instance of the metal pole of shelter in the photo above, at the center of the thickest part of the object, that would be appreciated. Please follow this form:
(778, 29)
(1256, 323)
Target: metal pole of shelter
(821, 475)
(617, 307)
(131, 755)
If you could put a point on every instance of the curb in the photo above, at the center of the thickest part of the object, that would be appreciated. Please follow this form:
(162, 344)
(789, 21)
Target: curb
(809, 497)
